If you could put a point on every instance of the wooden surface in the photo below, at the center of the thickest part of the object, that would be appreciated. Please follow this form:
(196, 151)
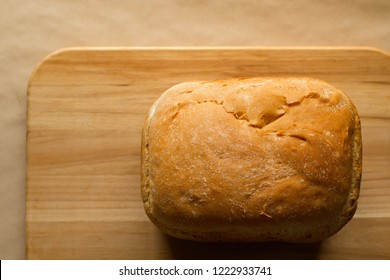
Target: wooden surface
(86, 108)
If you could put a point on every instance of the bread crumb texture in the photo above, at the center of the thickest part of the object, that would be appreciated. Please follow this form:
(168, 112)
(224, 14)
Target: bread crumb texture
(251, 159)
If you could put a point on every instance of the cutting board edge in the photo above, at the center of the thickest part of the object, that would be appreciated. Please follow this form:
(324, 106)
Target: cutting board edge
(62, 51)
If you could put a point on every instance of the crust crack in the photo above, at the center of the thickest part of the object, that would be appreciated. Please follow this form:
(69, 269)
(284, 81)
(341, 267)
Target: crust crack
(242, 116)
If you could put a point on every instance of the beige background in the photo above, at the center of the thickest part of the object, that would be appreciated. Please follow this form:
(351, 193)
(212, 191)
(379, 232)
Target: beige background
(30, 30)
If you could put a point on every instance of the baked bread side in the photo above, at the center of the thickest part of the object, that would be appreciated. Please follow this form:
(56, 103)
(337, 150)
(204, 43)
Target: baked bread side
(254, 159)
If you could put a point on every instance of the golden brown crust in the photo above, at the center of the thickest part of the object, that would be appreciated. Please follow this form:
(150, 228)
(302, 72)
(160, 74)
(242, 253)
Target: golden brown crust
(253, 159)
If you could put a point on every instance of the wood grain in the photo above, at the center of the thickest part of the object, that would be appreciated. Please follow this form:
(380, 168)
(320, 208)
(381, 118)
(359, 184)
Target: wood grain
(86, 109)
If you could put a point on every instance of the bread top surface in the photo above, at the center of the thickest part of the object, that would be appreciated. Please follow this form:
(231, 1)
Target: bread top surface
(247, 152)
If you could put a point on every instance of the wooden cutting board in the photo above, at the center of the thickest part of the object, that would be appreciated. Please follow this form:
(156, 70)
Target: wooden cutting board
(86, 108)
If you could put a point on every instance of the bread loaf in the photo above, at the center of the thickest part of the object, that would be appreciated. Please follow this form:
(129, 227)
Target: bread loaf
(251, 159)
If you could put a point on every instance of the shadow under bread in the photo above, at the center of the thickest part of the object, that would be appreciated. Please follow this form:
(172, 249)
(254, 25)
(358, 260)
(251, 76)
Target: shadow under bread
(184, 249)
